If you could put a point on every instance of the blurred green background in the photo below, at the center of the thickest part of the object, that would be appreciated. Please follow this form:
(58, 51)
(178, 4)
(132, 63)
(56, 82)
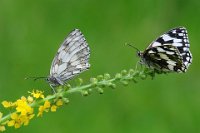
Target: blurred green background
(31, 32)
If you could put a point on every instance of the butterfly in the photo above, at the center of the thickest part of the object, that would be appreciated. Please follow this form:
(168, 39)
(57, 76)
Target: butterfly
(168, 53)
(71, 59)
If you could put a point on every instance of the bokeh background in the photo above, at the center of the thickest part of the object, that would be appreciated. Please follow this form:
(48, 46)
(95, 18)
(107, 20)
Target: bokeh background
(31, 32)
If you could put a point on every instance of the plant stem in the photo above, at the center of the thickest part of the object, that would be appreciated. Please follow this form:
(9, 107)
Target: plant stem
(106, 81)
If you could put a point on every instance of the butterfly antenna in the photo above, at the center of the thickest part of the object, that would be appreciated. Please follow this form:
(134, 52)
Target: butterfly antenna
(132, 46)
(35, 78)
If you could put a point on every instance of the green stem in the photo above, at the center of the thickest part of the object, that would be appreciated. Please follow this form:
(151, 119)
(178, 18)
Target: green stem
(104, 82)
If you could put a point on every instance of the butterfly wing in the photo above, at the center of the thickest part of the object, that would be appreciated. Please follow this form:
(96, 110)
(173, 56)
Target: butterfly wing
(172, 51)
(164, 58)
(72, 57)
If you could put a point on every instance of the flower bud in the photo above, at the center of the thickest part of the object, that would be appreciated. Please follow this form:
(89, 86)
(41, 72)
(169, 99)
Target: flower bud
(100, 77)
(106, 76)
(100, 90)
(118, 76)
(123, 72)
(84, 93)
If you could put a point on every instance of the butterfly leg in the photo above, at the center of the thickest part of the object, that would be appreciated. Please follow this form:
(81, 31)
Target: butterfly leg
(53, 89)
(140, 63)
(136, 66)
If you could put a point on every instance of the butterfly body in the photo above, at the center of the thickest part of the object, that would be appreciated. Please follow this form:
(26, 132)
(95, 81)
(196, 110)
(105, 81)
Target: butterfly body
(168, 53)
(54, 81)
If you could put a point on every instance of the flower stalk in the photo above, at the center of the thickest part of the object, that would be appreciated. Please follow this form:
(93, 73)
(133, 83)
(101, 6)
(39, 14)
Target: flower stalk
(26, 108)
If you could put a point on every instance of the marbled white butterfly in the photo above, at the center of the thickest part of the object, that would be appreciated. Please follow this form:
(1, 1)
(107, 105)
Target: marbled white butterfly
(71, 59)
(168, 53)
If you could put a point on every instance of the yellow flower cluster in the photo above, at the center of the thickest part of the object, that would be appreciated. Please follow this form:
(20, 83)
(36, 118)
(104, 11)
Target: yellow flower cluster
(23, 109)
(23, 112)
(47, 106)
(37, 94)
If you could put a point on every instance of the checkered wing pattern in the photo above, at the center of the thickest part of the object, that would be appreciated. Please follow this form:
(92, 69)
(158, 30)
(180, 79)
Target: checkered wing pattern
(169, 52)
(72, 57)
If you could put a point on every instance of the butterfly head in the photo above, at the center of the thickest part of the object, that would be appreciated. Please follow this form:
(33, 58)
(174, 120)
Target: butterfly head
(138, 53)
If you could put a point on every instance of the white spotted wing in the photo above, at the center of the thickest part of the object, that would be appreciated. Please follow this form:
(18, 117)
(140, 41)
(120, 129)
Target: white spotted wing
(169, 52)
(71, 59)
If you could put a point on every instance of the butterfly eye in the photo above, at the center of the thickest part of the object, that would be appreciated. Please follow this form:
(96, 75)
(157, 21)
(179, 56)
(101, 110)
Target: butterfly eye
(139, 54)
(47, 79)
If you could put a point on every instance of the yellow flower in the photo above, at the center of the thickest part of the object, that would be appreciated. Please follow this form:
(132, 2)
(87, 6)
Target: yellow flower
(47, 104)
(43, 108)
(40, 111)
(11, 123)
(30, 99)
(23, 98)
(18, 119)
(31, 116)
(37, 94)
(14, 120)
(17, 125)
(14, 116)
(24, 119)
(59, 102)
(6, 104)
(53, 108)
(23, 107)
(2, 128)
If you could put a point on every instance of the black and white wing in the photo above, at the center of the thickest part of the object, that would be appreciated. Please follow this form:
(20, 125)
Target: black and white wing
(72, 57)
(170, 52)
